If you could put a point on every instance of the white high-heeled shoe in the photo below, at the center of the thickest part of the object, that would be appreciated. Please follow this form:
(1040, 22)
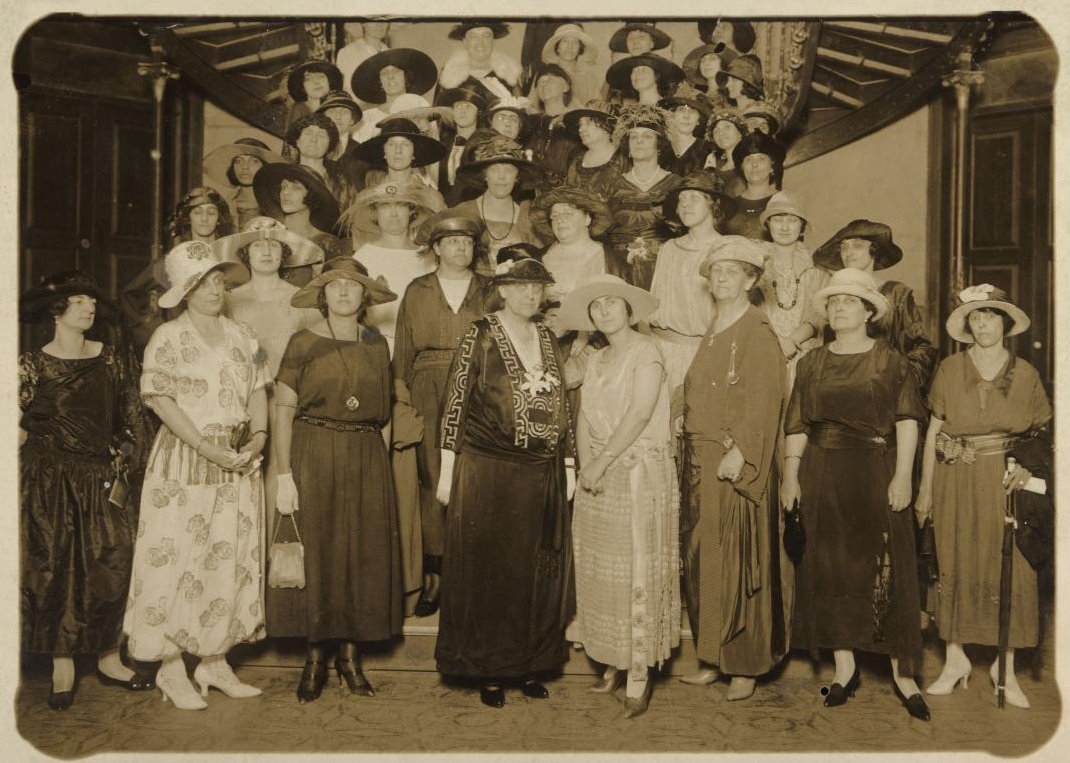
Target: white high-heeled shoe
(214, 671)
(1012, 692)
(174, 685)
(949, 678)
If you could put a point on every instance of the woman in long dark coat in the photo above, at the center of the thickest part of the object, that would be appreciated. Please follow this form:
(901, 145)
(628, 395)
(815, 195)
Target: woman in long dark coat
(435, 312)
(78, 399)
(730, 530)
(852, 428)
(508, 472)
(332, 395)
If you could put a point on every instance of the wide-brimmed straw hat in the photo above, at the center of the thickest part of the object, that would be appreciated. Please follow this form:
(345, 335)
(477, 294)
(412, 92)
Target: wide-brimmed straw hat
(218, 161)
(448, 222)
(977, 297)
(188, 263)
(34, 302)
(498, 29)
(784, 203)
(575, 305)
(341, 99)
(375, 289)
(736, 249)
(619, 74)
(857, 283)
(885, 251)
(295, 82)
(570, 31)
(426, 150)
(420, 73)
(581, 198)
(618, 43)
(521, 263)
(704, 182)
(361, 213)
(324, 207)
(747, 69)
(302, 251)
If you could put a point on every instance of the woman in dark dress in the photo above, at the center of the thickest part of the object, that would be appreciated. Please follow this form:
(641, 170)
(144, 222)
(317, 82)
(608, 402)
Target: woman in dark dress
(868, 246)
(759, 161)
(597, 162)
(332, 397)
(686, 131)
(635, 196)
(508, 472)
(434, 313)
(852, 428)
(78, 400)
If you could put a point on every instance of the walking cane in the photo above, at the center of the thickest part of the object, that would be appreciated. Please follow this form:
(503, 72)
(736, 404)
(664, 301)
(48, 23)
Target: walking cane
(1010, 524)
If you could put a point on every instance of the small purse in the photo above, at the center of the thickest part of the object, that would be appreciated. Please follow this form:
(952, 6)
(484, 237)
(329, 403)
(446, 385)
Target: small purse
(794, 533)
(286, 561)
(240, 435)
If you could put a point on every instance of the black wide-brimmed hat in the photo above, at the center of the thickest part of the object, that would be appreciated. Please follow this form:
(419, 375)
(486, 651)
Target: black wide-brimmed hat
(498, 28)
(704, 182)
(295, 82)
(743, 34)
(618, 43)
(499, 149)
(463, 92)
(885, 251)
(426, 150)
(758, 143)
(577, 196)
(596, 108)
(686, 95)
(420, 73)
(693, 61)
(34, 302)
(747, 69)
(219, 160)
(324, 207)
(619, 74)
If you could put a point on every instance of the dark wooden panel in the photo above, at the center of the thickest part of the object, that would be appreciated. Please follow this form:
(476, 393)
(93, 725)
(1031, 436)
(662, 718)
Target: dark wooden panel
(994, 214)
(53, 163)
(130, 201)
(38, 262)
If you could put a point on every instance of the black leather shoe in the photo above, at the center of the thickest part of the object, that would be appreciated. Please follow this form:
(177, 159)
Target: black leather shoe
(349, 672)
(60, 700)
(915, 704)
(136, 682)
(492, 695)
(838, 693)
(313, 677)
(534, 689)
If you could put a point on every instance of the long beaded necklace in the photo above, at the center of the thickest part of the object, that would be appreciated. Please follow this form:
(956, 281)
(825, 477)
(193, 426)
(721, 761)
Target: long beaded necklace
(351, 402)
(512, 220)
(795, 289)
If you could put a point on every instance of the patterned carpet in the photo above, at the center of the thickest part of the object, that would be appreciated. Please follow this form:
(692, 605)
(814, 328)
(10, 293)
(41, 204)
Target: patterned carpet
(415, 712)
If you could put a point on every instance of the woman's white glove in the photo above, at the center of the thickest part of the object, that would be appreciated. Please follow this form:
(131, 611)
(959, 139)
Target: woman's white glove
(286, 497)
(570, 482)
(445, 476)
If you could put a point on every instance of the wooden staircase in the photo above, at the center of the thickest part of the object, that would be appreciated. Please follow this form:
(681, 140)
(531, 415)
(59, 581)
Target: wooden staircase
(858, 74)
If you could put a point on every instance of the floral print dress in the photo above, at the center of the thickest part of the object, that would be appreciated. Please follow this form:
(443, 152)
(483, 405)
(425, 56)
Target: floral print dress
(196, 580)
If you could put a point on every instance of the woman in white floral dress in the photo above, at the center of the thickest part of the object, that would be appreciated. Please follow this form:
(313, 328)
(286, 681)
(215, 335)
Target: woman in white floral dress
(196, 577)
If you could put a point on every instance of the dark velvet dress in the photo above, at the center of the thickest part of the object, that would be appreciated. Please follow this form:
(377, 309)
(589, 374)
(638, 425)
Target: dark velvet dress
(598, 179)
(856, 587)
(427, 334)
(747, 221)
(735, 569)
(691, 160)
(347, 518)
(551, 145)
(75, 546)
(507, 586)
(638, 229)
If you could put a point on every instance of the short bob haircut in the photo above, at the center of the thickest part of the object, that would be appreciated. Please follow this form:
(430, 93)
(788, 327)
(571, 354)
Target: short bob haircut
(311, 200)
(1008, 321)
(180, 223)
(777, 173)
(232, 177)
(314, 120)
(664, 148)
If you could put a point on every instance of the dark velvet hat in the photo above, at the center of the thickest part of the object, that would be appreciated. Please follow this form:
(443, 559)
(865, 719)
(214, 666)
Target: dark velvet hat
(885, 251)
(704, 182)
(420, 73)
(426, 150)
(34, 302)
(295, 82)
